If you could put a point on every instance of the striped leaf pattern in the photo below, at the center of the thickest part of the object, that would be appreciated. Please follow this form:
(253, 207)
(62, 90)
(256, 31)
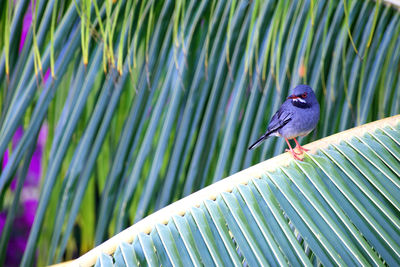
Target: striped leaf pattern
(338, 207)
(149, 101)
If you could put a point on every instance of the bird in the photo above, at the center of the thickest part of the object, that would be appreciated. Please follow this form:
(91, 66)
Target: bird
(297, 116)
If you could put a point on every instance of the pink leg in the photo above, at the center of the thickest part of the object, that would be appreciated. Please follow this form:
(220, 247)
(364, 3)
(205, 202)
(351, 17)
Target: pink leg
(288, 150)
(294, 154)
(300, 147)
(292, 150)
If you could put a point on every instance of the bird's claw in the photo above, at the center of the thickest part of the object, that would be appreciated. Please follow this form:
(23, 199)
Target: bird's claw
(294, 154)
(298, 147)
(292, 151)
(302, 148)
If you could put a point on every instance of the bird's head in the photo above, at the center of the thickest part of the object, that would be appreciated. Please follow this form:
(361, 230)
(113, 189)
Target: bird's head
(303, 96)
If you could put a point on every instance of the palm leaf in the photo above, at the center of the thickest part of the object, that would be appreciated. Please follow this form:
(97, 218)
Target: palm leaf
(339, 206)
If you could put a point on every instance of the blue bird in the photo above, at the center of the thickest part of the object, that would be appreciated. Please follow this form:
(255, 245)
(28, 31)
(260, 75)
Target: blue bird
(297, 116)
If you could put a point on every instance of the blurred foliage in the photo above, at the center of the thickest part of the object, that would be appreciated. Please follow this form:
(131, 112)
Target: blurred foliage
(148, 101)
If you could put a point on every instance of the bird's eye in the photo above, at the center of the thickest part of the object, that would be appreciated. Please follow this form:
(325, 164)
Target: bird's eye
(303, 95)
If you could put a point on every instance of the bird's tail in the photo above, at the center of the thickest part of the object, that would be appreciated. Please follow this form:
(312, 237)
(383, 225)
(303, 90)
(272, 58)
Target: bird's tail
(260, 140)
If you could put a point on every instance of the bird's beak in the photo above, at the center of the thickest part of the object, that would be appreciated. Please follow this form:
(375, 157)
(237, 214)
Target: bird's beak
(292, 97)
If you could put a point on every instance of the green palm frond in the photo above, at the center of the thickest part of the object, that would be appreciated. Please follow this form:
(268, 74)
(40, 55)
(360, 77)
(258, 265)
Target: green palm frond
(149, 101)
(338, 207)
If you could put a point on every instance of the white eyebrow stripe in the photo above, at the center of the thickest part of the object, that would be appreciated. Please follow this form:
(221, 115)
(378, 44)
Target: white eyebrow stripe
(299, 99)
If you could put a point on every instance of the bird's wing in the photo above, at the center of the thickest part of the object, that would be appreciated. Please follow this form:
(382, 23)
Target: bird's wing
(280, 119)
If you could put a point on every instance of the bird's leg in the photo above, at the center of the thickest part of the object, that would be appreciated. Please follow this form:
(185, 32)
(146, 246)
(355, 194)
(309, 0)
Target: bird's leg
(294, 154)
(292, 150)
(300, 147)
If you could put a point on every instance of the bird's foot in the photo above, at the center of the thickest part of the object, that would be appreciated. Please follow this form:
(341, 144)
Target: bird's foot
(292, 151)
(294, 154)
(299, 147)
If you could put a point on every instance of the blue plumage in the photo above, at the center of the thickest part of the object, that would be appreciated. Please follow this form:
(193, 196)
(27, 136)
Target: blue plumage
(297, 116)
